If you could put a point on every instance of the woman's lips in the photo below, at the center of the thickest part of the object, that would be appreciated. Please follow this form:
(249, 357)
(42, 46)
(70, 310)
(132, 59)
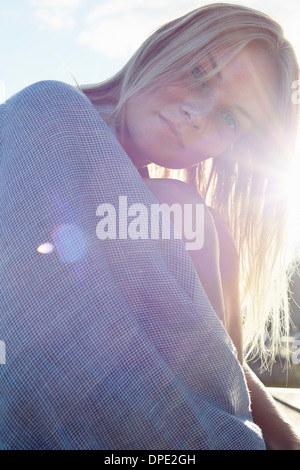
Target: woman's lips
(171, 127)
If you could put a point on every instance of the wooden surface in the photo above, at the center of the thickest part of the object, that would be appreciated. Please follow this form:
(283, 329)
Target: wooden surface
(288, 400)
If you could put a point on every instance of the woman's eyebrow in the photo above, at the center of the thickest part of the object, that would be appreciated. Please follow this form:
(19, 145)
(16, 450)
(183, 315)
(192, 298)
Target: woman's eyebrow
(214, 65)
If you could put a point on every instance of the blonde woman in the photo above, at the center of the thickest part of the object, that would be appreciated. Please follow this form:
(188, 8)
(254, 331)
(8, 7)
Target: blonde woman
(245, 184)
(113, 342)
(194, 73)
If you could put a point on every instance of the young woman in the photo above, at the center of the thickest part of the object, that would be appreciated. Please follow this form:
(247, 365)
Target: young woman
(112, 343)
(220, 80)
(216, 83)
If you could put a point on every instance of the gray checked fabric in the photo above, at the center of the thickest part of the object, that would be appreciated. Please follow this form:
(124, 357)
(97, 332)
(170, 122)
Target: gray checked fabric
(110, 344)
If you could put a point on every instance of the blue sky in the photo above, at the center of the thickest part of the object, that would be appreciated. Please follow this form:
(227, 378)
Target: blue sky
(92, 39)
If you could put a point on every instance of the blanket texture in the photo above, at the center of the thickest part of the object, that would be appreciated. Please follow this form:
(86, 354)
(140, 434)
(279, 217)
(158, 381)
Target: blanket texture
(109, 343)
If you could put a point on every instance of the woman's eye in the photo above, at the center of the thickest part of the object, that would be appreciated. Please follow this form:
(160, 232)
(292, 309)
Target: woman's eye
(199, 72)
(230, 121)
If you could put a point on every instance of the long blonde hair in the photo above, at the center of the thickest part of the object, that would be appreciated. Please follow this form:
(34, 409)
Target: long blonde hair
(245, 184)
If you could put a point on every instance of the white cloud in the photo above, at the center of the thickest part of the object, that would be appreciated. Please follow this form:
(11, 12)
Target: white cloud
(56, 3)
(54, 19)
(116, 28)
(115, 37)
(56, 15)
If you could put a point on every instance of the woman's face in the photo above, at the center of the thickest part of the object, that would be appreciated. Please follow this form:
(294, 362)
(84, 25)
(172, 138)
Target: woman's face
(177, 127)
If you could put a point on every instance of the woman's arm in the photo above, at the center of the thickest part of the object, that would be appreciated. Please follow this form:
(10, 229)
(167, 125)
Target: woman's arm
(278, 432)
(229, 272)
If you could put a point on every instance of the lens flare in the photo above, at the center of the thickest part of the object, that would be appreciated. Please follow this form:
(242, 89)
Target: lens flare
(70, 242)
(45, 248)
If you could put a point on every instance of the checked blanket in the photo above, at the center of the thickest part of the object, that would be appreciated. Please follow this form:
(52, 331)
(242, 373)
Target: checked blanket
(109, 344)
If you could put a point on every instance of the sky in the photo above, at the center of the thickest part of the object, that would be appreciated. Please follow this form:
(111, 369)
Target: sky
(87, 41)
(91, 39)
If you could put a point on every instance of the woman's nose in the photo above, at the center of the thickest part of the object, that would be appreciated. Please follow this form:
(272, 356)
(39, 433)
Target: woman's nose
(194, 116)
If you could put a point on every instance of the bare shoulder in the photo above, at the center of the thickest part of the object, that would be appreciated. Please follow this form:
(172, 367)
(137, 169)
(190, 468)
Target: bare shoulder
(168, 189)
(172, 191)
